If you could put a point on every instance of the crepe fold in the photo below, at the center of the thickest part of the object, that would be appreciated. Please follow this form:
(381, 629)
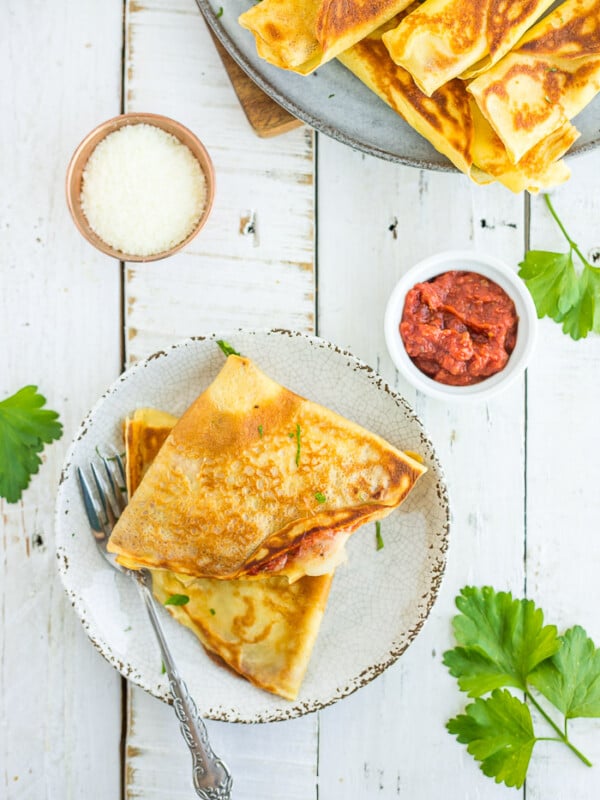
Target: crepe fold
(255, 481)
(300, 35)
(551, 75)
(446, 39)
(452, 122)
(264, 630)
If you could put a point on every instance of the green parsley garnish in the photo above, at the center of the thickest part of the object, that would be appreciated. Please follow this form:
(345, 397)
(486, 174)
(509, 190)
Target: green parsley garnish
(503, 642)
(260, 431)
(331, 95)
(225, 346)
(163, 669)
(559, 291)
(219, 12)
(177, 600)
(212, 611)
(378, 536)
(297, 434)
(25, 427)
(320, 497)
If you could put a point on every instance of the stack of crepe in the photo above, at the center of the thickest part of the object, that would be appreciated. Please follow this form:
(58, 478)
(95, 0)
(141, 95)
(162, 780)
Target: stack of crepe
(244, 506)
(492, 93)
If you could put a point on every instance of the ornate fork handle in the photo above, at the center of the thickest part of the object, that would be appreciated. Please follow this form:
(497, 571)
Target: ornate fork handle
(212, 779)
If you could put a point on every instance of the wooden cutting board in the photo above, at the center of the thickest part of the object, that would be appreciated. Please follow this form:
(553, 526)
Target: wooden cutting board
(265, 116)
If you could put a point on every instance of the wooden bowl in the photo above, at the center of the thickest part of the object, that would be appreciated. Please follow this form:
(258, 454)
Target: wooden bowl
(84, 151)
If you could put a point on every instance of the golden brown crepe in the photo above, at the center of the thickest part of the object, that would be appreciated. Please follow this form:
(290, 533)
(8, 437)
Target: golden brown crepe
(550, 76)
(445, 39)
(264, 630)
(451, 121)
(300, 35)
(255, 480)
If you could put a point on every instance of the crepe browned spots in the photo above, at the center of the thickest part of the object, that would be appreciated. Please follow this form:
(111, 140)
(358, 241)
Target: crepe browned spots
(255, 480)
(445, 39)
(552, 74)
(300, 35)
(264, 630)
(452, 122)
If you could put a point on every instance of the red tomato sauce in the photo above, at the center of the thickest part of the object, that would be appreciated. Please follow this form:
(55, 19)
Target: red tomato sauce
(459, 328)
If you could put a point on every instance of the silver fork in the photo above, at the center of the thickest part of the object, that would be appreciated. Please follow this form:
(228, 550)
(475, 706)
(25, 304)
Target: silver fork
(212, 779)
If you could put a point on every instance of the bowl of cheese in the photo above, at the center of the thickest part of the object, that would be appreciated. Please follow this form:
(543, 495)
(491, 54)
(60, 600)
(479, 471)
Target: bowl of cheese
(140, 186)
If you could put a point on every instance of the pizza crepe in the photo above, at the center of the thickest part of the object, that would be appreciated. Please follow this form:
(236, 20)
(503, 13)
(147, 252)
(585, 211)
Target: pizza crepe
(445, 39)
(263, 630)
(552, 74)
(301, 35)
(254, 480)
(451, 121)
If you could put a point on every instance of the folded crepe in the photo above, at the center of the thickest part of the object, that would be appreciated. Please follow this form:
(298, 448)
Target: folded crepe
(549, 77)
(300, 35)
(451, 121)
(263, 630)
(254, 480)
(445, 39)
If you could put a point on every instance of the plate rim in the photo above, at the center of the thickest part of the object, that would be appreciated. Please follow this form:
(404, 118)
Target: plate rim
(309, 118)
(296, 708)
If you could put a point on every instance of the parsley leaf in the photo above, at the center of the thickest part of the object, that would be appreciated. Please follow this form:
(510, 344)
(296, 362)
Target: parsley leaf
(571, 678)
(559, 291)
(320, 497)
(177, 600)
(500, 640)
(297, 435)
(379, 544)
(227, 348)
(25, 427)
(498, 732)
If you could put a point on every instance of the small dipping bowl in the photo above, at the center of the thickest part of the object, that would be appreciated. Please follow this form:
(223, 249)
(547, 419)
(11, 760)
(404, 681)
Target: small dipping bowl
(85, 149)
(496, 271)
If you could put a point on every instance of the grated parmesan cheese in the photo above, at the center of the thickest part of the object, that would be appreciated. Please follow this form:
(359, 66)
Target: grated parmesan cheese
(143, 190)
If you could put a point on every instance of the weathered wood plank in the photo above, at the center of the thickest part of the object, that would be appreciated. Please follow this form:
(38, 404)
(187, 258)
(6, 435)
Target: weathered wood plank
(563, 505)
(60, 703)
(388, 740)
(252, 266)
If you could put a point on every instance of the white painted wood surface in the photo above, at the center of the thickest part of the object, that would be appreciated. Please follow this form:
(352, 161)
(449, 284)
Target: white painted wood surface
(522, 469)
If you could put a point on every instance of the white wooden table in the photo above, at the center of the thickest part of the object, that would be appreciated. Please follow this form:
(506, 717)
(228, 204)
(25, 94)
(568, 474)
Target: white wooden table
(333, 230)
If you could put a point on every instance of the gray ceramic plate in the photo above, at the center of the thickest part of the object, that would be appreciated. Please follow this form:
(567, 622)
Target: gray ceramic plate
(379, 599)
(336, 103)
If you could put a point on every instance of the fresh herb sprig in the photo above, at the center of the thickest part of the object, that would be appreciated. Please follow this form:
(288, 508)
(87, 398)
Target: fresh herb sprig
(559, 290)
(25, 427)
(379, 543)
(227, 349)
(177, 600)
(503, 642)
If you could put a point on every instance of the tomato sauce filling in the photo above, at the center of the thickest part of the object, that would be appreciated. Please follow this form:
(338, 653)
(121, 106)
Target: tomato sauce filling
(459, 328)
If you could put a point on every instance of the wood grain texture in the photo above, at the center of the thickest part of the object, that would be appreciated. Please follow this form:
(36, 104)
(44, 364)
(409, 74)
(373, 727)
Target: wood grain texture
(563, 503)
(394, 743)
(266, 117)
(59, 701)
(252, 266)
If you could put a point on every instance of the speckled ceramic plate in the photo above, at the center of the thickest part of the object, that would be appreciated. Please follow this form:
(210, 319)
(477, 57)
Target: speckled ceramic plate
(336, 103)
(379, 599)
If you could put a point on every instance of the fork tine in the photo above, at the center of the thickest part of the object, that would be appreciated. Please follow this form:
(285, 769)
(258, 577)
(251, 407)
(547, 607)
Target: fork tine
(121, 466)
(90, 507)
(109, 513)
(117, 495)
